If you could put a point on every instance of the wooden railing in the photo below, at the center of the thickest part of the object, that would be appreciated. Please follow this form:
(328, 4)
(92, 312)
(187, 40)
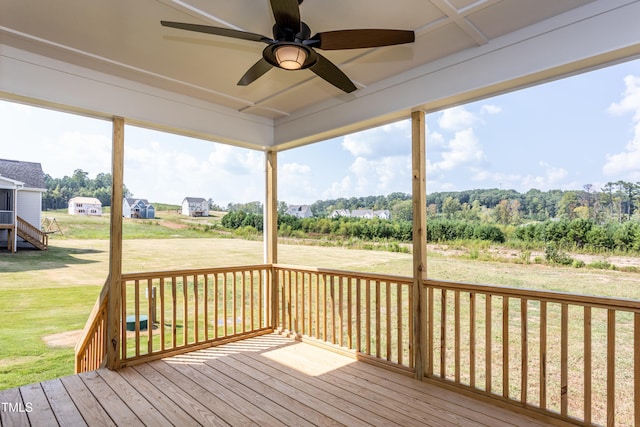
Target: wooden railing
(367, 314)
(574, 356)
(32, 234)
(92, 347)
(172, 312)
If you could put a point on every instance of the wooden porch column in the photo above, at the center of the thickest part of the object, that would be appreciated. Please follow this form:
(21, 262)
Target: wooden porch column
(271, 229)
(419, 197)
(114, 306)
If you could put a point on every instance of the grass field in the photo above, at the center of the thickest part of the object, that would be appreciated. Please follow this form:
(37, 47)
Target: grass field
(45, 293)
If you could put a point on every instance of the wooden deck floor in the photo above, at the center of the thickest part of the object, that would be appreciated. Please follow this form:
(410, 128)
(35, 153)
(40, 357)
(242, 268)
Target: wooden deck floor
(264, 381)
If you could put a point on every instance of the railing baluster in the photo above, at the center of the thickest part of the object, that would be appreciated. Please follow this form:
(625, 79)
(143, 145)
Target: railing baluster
(368, 315)
(543, 354)
(388, 317)
(243, 296)
(150, 316)
(399, 313)
(137, 315)
(611, 367)
(587, 365)
(564, 356)
(302, 304)
(430, 331)
(317, 329)
(205, 299)
(378, 302)
(340, 312)
(443, 333)
(216, 304)
(456, 323)
(162, 308)
(225, 302)
(636, 368)
(235, 302)
(332, 302)
(350, 312)
(472, 340)
(488, 319)
(185, 310)
(358, 315)
(195, 308)
(174, 314)
(505, 347)
(524, 352)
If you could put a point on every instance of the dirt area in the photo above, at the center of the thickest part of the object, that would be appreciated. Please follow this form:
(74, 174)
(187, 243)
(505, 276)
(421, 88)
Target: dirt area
(498, 252)
(63, 340)
(173, 225)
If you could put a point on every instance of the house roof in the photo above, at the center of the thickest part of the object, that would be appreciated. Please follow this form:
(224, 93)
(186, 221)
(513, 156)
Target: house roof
(87, 200)
(185, 82)
(26, 172)
(132, 201)
(194, 199)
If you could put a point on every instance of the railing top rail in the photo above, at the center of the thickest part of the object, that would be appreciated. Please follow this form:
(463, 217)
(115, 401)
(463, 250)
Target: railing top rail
(623, 304)
(192, 272)
(356, 274)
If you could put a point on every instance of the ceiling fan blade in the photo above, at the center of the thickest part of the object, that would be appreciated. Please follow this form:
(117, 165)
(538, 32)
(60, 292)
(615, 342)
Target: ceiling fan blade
(358, 39)
(218, 31)
(287, 14)
(255, 72)
(328, 71)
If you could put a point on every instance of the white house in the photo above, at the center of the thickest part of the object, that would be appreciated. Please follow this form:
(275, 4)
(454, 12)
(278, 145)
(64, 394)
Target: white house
(137, 208)
(370, 213)
(85, 206)
(340, 212)
(195, 206)
(21, 187)
(300, 211)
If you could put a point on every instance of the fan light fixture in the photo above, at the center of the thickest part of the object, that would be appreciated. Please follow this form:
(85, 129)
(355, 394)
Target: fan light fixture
(290, 57)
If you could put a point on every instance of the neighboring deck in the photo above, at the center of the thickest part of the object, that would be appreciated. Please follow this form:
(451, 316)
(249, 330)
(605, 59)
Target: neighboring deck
(268, 380)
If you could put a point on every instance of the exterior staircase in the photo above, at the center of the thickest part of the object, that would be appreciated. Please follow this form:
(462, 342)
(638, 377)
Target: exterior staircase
(32, 235)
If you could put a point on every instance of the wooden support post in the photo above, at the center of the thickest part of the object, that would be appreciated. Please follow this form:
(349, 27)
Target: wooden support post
(419, 195)
(114, 306)
(271, 230)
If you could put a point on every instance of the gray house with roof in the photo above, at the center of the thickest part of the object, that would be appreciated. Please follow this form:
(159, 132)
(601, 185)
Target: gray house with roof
(21, 187)
(137, 208)
(195, 206)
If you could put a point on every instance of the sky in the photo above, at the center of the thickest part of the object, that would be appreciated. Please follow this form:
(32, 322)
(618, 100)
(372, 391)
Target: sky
(560, 135)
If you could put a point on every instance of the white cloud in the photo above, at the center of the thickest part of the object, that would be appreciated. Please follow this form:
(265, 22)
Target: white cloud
(490, 109)
(295, 184)
(389, 140)
(456, 119)
(552, 177)
(463, 149)
(625, 165)
(76, 150)
(381, 176)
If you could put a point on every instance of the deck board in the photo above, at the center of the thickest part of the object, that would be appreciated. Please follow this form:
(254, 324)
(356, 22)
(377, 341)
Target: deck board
(262, 381)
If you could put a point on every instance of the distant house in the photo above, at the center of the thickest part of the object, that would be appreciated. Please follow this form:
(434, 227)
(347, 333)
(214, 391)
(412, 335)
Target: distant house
(195, 206)
(340, 213)
(137, 208)
(300, 211)
(21, 187)
(362, 213)
(85, 206)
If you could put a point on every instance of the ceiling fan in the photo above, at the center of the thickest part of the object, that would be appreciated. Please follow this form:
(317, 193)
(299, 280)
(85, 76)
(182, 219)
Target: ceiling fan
(292, 47)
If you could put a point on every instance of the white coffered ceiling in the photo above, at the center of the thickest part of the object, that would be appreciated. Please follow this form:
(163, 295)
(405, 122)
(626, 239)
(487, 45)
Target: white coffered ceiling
(107, 58)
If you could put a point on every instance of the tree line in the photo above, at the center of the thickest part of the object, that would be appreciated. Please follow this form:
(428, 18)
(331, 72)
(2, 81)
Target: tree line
(60, 190)
(616, 201)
